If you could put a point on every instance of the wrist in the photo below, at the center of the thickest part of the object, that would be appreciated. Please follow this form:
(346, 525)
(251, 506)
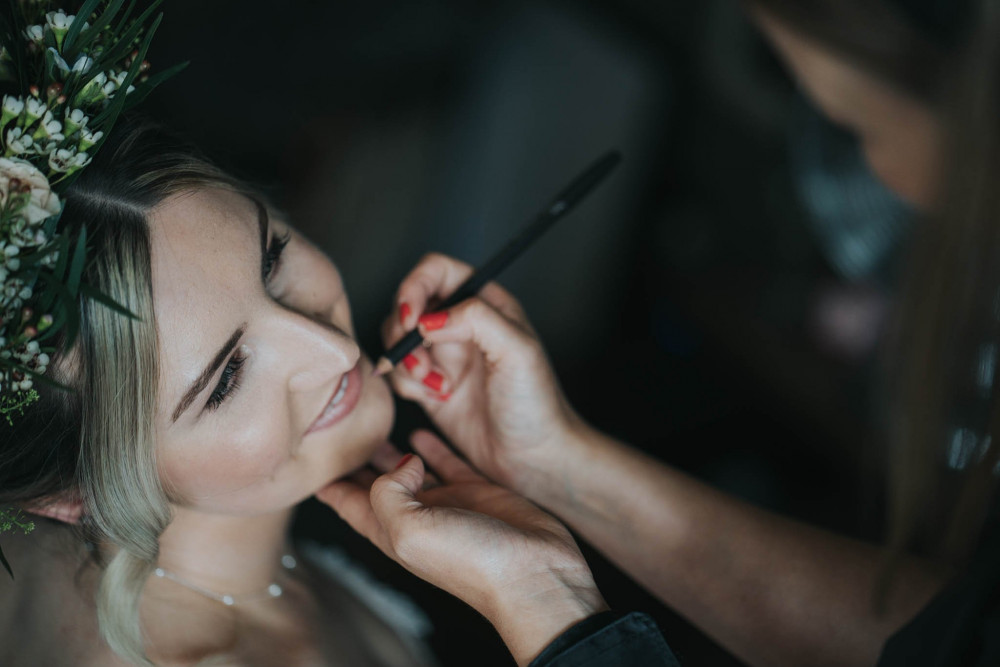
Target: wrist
(530, 621)
(550, 475)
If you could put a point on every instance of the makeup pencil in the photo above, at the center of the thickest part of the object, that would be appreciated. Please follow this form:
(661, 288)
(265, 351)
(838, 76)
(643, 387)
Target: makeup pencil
(570, 196)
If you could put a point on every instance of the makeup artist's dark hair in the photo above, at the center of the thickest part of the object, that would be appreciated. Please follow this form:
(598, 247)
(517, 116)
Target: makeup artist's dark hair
(941, 352)
(97, 441)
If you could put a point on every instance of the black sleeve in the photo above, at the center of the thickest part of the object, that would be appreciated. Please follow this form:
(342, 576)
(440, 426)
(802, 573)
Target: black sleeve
(609, 639)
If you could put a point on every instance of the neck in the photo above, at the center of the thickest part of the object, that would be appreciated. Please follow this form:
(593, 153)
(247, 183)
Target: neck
(228, 554)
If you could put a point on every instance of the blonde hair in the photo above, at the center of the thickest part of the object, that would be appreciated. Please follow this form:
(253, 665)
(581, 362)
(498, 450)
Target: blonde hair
(99, 439)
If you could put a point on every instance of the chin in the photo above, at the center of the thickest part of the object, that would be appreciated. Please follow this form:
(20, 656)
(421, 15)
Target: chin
(367, 427)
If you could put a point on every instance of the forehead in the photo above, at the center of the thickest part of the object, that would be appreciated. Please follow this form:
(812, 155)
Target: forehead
(205, 249)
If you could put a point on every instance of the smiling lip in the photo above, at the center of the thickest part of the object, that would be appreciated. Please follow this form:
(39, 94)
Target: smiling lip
(331, 413)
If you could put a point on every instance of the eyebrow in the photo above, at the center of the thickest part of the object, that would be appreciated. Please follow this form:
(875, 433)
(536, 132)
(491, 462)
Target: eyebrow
(206, 375)
(210, 369)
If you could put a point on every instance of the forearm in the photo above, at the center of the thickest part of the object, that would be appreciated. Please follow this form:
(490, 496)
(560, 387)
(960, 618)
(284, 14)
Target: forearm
(773, 591)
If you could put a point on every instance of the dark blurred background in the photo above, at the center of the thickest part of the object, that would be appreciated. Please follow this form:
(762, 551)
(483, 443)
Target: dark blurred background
(717, 303)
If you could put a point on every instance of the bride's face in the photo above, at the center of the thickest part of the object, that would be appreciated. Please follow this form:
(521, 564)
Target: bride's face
(264, 396)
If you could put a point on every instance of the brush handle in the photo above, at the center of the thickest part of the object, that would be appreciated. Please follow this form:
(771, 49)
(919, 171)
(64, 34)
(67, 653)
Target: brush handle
(562, 204)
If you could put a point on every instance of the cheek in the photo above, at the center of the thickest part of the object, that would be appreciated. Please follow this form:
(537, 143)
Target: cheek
(216, 470)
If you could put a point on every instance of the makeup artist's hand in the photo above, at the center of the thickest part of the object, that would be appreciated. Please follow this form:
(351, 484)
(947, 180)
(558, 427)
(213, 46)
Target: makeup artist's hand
(484, 544)
(485, 380)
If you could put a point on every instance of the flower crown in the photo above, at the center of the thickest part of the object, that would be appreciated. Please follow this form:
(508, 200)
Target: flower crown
(66, 79)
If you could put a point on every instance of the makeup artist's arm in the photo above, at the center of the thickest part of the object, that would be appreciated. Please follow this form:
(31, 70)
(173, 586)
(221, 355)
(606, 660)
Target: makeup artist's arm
(773, 591)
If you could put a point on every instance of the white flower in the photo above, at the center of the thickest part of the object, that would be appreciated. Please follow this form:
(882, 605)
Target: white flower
(18, 143)
(110, 86)
(12, 108)
(43, 203)
(49, 128)
(59, 23)
(34, 108)
(75, 120)
(12, 105)
(34, 33)
(83, 64)
(67, 160)
(59, 20)
(60, 63)
(88, 139)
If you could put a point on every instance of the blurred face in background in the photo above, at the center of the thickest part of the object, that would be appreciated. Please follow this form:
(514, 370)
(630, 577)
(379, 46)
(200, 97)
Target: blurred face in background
(899, 135)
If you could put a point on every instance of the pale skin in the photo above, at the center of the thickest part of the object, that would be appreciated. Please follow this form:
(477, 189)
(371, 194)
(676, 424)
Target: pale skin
(235, 468)
(771, 590)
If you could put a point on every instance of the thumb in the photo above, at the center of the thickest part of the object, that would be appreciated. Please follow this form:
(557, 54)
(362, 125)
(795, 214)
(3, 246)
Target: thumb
(393, 495)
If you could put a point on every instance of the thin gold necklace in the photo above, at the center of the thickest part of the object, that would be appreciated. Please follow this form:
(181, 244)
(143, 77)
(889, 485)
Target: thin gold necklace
(273, 590)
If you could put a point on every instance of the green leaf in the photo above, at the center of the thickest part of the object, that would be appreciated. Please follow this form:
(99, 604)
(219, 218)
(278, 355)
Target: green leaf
(76, 268)
(108, 117)
(151, 83)
(93, 293)
(6, 565)
(121, 24)
(70, 47)
(72, 323)
(123, 45)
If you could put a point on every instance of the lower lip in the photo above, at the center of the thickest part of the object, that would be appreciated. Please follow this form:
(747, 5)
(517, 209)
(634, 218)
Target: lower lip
(333, 414)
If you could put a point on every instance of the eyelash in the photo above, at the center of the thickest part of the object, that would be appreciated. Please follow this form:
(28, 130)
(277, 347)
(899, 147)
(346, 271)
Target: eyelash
(229, 381)
(272, 258)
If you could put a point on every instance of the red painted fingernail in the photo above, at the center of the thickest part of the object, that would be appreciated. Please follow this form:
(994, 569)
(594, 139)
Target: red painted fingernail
(434, 380)
(404, 312)
(410, 362)
(444, 397)
(402, 461)
(432, 321)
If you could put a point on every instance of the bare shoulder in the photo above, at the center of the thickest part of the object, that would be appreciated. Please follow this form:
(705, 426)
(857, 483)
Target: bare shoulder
(184, 629)
(47, 612)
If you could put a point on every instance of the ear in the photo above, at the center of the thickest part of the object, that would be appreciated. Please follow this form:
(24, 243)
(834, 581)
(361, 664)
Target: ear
(66, 507)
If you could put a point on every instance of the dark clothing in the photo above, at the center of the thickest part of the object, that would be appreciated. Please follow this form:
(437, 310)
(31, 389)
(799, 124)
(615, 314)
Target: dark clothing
(609, 639)
(961, 626)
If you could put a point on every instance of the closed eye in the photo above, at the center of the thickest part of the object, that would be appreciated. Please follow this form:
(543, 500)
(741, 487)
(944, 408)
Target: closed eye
(270, 262)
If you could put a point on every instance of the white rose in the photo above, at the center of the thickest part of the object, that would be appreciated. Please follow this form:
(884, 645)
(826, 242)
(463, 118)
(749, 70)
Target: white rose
(43, 202)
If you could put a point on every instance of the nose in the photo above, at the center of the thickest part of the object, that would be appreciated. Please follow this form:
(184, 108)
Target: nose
(317, 353)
